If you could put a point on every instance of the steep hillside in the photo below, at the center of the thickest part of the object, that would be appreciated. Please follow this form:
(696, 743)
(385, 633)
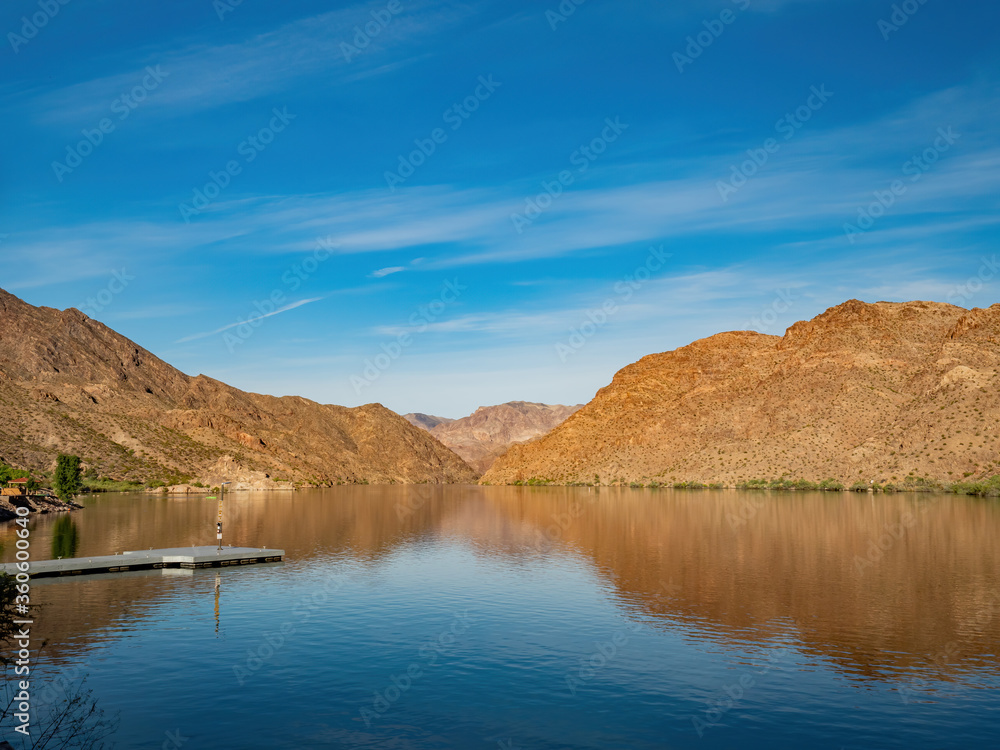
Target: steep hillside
(482, 436)
(863, 391)
(71, 384)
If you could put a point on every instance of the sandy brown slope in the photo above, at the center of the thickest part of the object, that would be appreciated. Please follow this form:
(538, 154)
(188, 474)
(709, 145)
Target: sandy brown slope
(863, 391)
(71, 384)
(486, 433)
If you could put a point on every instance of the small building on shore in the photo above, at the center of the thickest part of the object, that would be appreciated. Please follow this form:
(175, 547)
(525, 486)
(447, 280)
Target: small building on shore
(16, 487)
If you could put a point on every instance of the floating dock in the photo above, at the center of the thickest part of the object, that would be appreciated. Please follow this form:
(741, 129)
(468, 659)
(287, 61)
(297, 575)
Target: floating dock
(178, 557)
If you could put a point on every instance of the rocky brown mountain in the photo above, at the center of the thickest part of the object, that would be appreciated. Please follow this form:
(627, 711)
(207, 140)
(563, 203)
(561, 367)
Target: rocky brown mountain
(70, 384)
(482, 436)
(863, 391)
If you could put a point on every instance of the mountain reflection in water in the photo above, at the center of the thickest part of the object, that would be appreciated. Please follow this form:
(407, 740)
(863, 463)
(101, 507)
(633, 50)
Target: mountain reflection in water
(877, 584)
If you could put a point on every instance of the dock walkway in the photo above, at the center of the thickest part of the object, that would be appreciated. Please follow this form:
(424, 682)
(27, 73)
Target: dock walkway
(178, 557)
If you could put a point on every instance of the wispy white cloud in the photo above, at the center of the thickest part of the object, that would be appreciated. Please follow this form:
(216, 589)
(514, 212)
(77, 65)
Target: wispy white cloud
(201, 76)
(255, 317)
(812, 187)
(382, 272)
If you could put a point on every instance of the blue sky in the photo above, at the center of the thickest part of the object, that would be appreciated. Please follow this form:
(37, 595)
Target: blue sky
(470, 203)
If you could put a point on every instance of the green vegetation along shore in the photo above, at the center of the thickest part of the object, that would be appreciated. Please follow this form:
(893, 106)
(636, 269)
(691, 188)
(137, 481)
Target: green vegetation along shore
(983, 487)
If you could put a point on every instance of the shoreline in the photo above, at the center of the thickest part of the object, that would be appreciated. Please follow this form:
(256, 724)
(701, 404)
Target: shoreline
(38, 505)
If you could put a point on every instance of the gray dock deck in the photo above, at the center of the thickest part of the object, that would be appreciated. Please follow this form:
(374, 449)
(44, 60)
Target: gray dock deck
(177, 557)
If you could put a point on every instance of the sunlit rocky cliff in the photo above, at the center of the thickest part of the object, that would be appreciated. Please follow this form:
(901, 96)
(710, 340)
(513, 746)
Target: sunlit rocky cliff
(70, 384)
(864, 391)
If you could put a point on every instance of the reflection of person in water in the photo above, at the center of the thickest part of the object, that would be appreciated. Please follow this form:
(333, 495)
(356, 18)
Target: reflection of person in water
(218, 588)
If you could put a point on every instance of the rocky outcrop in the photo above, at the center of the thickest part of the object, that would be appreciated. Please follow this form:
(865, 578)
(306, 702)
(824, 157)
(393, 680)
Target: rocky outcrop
(863, 391)
(71, 384)
(482, 436)
(33, 504)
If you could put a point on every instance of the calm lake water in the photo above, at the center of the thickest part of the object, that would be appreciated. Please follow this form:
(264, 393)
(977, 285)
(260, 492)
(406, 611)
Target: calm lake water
(488, 617)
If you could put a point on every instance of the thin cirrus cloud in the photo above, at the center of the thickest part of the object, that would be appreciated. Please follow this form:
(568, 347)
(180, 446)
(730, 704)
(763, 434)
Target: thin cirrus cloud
(249, 321)
(385, 254)
(479, 231)
(654, 300)
(383, 272)
(808, 183)
(201, 76)
(819, 179)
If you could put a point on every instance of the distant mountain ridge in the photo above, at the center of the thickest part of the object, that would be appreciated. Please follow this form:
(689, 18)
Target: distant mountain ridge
(485, 434)
(863, 391)
(71, 384)
(426, 421)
